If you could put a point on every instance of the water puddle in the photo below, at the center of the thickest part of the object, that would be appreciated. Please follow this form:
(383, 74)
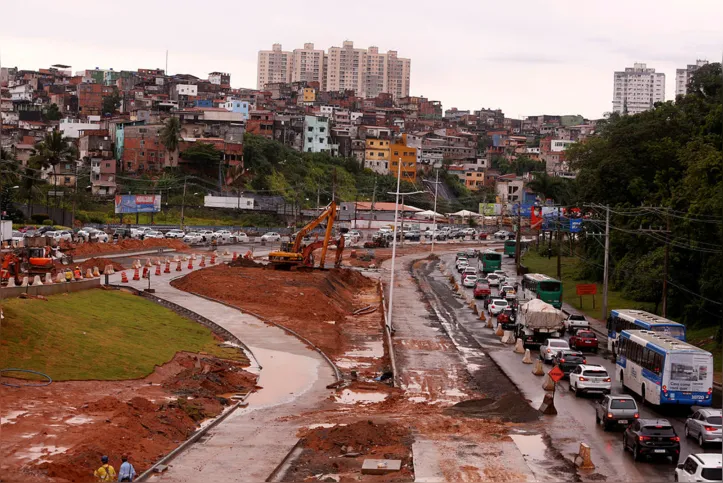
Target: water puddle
(324, 425)
(373, 349)
(41, 451)
(352, 397)
(531, 446)
(10, 417)
(78, 420)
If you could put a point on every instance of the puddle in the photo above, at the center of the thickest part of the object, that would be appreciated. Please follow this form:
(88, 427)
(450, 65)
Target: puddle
(373, 349)
(531, 446)
(38, 452)
(454, 392)
(79, 420)
(417, 399)
(10, 417)
(349, 364)
(324, 425)
(351, 397)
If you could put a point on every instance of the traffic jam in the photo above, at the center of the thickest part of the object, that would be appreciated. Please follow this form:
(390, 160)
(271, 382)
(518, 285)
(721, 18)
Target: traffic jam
(634, 388)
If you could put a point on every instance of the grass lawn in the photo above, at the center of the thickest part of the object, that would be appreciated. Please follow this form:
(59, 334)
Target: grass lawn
(98, 335)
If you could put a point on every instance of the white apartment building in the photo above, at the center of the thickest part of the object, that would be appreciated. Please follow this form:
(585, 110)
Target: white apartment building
(682, 76)
(273, 66)
(637, 88)
(308, 65)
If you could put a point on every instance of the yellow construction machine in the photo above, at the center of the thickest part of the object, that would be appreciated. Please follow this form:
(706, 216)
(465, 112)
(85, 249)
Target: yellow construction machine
(294, 254)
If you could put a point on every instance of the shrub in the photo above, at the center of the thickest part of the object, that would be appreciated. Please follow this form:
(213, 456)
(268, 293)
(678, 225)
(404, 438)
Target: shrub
(39, 217)
(48, 222)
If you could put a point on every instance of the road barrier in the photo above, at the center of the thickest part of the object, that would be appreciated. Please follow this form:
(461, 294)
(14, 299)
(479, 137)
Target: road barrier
(538, 370)
(583, 460)
(528, 358)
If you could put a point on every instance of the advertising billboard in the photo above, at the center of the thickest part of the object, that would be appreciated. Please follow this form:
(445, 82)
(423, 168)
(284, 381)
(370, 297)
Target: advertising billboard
(489, 209)
(137, 203)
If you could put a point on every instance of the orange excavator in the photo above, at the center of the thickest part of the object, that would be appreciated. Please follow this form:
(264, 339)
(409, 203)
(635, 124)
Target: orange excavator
(294, 254)
(31, 261)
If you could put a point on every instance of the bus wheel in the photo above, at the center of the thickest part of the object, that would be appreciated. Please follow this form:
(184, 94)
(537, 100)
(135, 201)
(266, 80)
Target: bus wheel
(622, 381)
(642, 395)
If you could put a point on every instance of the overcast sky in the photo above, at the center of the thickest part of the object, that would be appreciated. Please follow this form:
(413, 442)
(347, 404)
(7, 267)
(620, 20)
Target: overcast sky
(526, 57)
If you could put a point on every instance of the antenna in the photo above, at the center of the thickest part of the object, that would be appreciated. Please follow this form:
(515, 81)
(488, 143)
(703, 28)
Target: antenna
(166, 62)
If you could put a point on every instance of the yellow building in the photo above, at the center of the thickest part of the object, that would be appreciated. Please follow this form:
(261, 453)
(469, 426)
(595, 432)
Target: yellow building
(408, 156)
(376, 155)
(474, 180)
(309, 94)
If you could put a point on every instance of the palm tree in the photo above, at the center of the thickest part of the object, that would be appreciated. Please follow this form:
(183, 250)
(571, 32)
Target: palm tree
(53, 150)
(170, 136)
(236, 176)
(545, 185)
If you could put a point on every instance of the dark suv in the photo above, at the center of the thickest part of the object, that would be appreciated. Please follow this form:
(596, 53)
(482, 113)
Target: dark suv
(652, 437)
(568, 360)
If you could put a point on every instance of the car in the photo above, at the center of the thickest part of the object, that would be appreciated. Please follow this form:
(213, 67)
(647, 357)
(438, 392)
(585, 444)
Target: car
(469, 270)
(481, 289)
(704, 426)
(483, 236)
(96, 235)
(272, 236)
(241, 237)
(617, 410)
(501, 235)
(352, 237)
(551, 347)
(469, 232)
(584, 340)
(470, 281)
(59, 235)
(175, 233)
(590, 378)
(507, 291)
(497, 306)
(652, 437)
(461, 265)
(501, 274)
(472, 253)
(120, 233)
(153, 234)
(700, 467)
(575, 322)
(412, 235)
(493, 279)
(139, 232)
(568, 360)
(192, 238)
(17, 237)
(508, 319)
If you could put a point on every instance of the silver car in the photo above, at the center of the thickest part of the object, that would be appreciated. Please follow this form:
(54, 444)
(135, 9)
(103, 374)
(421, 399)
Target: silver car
(705, 426)
(613, 410)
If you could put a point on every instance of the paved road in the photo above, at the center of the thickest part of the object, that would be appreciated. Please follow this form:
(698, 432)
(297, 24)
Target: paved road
(576, 415)
(250, 443)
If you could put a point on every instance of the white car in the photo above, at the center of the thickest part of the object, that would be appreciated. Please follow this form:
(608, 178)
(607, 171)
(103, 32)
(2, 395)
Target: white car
(59, 235)
(241, 237)
(222, 236)
(587, 378)
(139, 232)
(153, 234)
(501, 274)
(700, 467)
(17, 237)
(175, 233)
(352, 237)
(271, 236)
(502, 235)
(469, 280)
(192, 238)
(508, 290)
(497, 306)
(96, 235)
(551, 347)
(493, 280)
(462, 264)
(469, 231)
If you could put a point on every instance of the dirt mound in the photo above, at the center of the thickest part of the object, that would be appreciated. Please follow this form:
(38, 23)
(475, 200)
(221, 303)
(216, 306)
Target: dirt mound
(245, 262)
(100, 263)
(105, 404)
(209, 377)
(508, 408)
(360, 436)
(89, 249)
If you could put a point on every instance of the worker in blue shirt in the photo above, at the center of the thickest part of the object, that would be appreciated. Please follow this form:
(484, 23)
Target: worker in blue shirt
(126, 471)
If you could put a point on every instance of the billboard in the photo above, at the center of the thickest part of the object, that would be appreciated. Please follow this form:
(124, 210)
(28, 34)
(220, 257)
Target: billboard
(137, 203)
(490, 209)
(238, 202)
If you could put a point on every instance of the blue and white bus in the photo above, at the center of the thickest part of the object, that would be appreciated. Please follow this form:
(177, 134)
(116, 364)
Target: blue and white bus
(629, 319)
(664, 370)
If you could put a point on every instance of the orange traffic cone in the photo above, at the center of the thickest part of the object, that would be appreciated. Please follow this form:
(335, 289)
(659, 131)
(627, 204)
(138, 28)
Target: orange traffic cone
(136, 275)
(158, 271)
(213, 259)
(203, 262)
(190, 263)
(178, 267)
(124, 277)
(168, 267)
(145, 272)
(235, 256)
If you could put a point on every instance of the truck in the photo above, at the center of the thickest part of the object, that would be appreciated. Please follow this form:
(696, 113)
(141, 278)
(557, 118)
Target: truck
(575, 322)
(538, 321)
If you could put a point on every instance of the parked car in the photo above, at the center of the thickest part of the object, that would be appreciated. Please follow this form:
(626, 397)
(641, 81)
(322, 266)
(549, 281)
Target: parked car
(575, 322)
(96, 235)
(17, 237)
(584, 340)
(192, 238)
(590, 378)
(153, 234)
(568, 360)
(241, 237)
(618, 410)
(705, 426)
(412, 235)
(483, 236)
(139, 232)
(469, 232)
(493, 279)
(121, 233)
(59, 235)
(551, 347)
(352, 237)
(470, 281)
(272, 236)
(700, 467)
(497, 306)
(175, 233)
(481, 289)
(501, 235)
(652, 437)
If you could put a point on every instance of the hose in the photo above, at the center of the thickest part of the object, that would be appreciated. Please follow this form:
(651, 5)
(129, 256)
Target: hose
(43, 384)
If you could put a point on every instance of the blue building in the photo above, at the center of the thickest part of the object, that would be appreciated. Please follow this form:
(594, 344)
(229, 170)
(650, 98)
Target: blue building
(235, 105)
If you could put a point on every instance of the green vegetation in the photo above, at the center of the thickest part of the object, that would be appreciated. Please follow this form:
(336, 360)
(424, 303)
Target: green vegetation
(98, 335)
(111, 103)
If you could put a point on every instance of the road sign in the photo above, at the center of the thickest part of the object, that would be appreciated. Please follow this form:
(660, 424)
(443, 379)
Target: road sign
(556, 374)
(586, 288)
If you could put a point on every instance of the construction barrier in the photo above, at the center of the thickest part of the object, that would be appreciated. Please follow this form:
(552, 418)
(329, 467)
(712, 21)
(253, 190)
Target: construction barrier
(190, 264)
(235, 256)
(548, 405)
(203, 262)
(60, 278)
(508, 337)
(89, 273)
(213, 259)
(499, 332)
(48, 279)
(548, 384)
(148, 263)
(36, 281)
(96, 272)
(136, 274)
(11, 282)
(519, 349)
(489, 321)
(193, 256)
(24, 282)
(538, 370)
(528, 358)
(124, 277)
(168, 267)
(178, 266)
(145, 273)
(583, 460)
(158, 271)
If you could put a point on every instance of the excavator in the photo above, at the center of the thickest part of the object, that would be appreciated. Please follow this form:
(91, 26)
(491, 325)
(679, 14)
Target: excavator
(294, 254)
(31, 261)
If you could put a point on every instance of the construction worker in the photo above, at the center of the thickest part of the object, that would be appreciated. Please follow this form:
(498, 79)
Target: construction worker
(106, 471)
(68, 275)
(78, 274)
(126, 472)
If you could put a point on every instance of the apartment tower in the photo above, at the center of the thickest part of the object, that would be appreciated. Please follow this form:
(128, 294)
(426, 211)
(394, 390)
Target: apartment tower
(637, 88)
(682, 76)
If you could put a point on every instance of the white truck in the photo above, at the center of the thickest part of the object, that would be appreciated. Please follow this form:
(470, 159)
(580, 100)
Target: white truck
(538, 321)
(575, 322)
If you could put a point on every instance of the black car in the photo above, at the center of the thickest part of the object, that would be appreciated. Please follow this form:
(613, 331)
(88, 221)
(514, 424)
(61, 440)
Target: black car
(568, 360)
(652, 437)
(121, 233)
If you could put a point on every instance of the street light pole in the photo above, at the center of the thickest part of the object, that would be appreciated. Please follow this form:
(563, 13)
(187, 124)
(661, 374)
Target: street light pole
(434, 214)
(394, 247)
(183, 200)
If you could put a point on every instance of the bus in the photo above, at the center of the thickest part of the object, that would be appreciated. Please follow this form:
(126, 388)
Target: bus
(490, 261)
(539, 286)
(629, 319)
(510, 248)
(663, 369)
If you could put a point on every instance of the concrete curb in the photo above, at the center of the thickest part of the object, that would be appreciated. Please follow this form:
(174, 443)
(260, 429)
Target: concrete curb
(388, 329)
(157, 251)
(278, 473)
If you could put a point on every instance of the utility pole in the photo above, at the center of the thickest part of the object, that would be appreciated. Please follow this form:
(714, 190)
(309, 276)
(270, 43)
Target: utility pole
(518, 244)
(665, 267)
(333, 185)
(75, 196)
(434, 215)
(374, 197)
(559, 246)
(183, 200)
(605, 263)
(401, 227)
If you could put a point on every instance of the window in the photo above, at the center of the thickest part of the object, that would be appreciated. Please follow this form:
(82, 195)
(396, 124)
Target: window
(310, 129)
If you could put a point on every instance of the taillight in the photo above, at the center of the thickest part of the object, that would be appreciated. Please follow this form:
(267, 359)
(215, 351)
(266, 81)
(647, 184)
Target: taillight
(644, 438)
(610, 415)
(607, 379)
(583, 378)
(710, 428)
(675, 438)
(710, 390)
(636, 416)
(584, 361)
(665, 388)
(548, 351)
(562, 360)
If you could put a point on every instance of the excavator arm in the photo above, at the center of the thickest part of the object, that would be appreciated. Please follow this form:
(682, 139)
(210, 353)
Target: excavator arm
(329, 213)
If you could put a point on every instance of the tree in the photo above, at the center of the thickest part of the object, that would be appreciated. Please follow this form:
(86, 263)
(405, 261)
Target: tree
(548, 187)
(170, 136)
(205, 157)
(53, 150)
(52, 113)
(111, 104)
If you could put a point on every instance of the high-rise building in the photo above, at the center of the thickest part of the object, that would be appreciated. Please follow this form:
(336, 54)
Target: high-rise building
(682, 76)
(637, 88)
(274, 65)
(308, 65)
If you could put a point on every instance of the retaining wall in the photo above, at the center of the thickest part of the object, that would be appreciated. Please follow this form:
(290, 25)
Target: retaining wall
(55, 288)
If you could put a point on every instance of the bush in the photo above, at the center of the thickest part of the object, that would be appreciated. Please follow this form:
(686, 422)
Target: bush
(48, 222)
(39, 217)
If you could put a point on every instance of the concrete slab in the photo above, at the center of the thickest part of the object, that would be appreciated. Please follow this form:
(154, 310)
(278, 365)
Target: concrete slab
(380, 467)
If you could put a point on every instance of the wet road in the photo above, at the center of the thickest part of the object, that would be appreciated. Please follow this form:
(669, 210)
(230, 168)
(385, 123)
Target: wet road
(576, 419)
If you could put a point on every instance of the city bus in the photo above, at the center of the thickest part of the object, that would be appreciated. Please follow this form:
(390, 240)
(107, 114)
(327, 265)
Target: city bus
(539, 286)
(629, 319)
(510, 247)
(490, 261)
(663, 369)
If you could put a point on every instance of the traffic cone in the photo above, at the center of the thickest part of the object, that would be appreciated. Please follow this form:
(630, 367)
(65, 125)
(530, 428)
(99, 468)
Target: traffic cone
(213, 259)
(124, 277)
(96, 272)
(190, 264)
(112, 270)
(36, 281)
(89, 273)
(168, 267)
(203, 262)
(145, 273)
(48, 279)
(178, 267)
(158, 271)
(235, 256)
(136, 274)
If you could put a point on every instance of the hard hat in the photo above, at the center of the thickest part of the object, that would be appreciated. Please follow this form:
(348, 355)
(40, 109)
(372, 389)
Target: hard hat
(104, 459)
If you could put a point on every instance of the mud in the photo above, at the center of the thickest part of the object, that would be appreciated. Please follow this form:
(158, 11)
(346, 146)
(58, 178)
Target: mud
(508, 408)
(80, 250)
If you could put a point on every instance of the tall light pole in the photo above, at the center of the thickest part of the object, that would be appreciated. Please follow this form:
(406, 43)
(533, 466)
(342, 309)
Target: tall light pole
(394, 238)
(434, 214)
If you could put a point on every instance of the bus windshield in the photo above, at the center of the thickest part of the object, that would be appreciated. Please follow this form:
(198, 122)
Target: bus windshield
(550, 286)
(510, 243)
(492, 256)
(672, 331)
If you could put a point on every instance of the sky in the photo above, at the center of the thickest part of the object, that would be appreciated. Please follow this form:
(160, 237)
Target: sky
(526, 57)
